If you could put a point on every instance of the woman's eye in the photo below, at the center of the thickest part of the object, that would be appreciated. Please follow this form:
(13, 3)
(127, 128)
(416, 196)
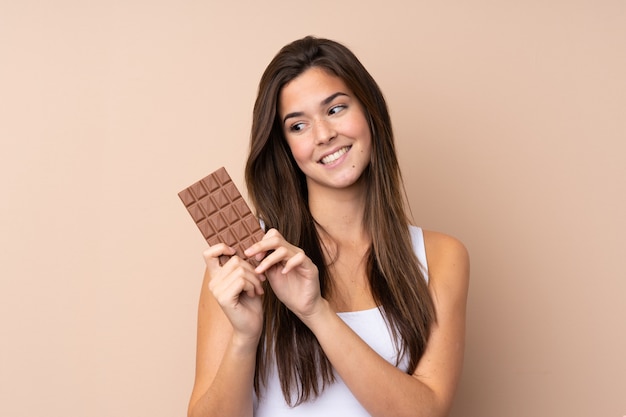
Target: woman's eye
(296, 127)
(336, 109)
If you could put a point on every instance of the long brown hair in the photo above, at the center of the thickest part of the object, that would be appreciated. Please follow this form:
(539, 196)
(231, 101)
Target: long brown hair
(278, 190)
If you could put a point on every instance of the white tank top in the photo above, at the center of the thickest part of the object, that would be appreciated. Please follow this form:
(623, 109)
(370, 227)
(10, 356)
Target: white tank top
(336, 400)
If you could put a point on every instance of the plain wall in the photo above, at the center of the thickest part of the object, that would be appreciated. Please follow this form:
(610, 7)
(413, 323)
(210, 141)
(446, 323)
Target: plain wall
(510, 120)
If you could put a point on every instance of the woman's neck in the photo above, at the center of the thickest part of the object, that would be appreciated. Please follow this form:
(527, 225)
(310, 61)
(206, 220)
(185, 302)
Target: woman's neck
(346, 243)
(339, 212)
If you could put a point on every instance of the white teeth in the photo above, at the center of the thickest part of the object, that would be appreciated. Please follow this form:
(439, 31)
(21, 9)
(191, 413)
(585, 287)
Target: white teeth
(334, 156)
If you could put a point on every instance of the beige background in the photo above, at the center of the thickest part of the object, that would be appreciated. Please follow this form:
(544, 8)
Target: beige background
(511, 125)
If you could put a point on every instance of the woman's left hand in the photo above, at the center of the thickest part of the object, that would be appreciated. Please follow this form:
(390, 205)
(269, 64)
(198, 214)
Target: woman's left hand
(293, 276)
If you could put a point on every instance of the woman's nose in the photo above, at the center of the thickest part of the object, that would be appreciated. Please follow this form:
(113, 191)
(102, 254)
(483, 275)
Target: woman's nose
(324, 131)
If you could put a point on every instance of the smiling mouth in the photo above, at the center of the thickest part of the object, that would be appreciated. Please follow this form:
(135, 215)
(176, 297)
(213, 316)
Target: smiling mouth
(334, 156)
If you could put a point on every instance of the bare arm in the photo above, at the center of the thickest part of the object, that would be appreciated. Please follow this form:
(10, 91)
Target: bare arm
(229, 320)
(430, 389)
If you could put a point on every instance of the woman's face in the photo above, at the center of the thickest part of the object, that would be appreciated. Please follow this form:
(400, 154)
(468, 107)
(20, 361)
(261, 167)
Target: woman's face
(326, 129)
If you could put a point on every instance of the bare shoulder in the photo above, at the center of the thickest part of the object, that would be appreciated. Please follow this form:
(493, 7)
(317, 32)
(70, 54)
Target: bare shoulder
(448, 262)
(442, 247)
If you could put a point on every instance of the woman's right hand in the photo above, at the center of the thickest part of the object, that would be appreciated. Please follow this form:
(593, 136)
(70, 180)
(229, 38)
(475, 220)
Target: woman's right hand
(237, 289)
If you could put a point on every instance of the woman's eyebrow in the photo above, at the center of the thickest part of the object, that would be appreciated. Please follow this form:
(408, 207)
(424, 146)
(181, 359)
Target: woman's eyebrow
(324, 102)
(330, 98)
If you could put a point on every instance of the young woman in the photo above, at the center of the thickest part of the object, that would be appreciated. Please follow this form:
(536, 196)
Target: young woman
(344, 308)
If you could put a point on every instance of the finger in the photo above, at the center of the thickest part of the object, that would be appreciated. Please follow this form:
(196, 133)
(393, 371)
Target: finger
(299, 259)
(244, 286)
(279, 255)
(272, 233)
(240, 276)
(271, 240)
(228, 294)
(213, 252)
(236, 262)
(254, 252)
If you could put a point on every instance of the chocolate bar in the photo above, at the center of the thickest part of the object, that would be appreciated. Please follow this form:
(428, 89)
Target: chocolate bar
(220, 212)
